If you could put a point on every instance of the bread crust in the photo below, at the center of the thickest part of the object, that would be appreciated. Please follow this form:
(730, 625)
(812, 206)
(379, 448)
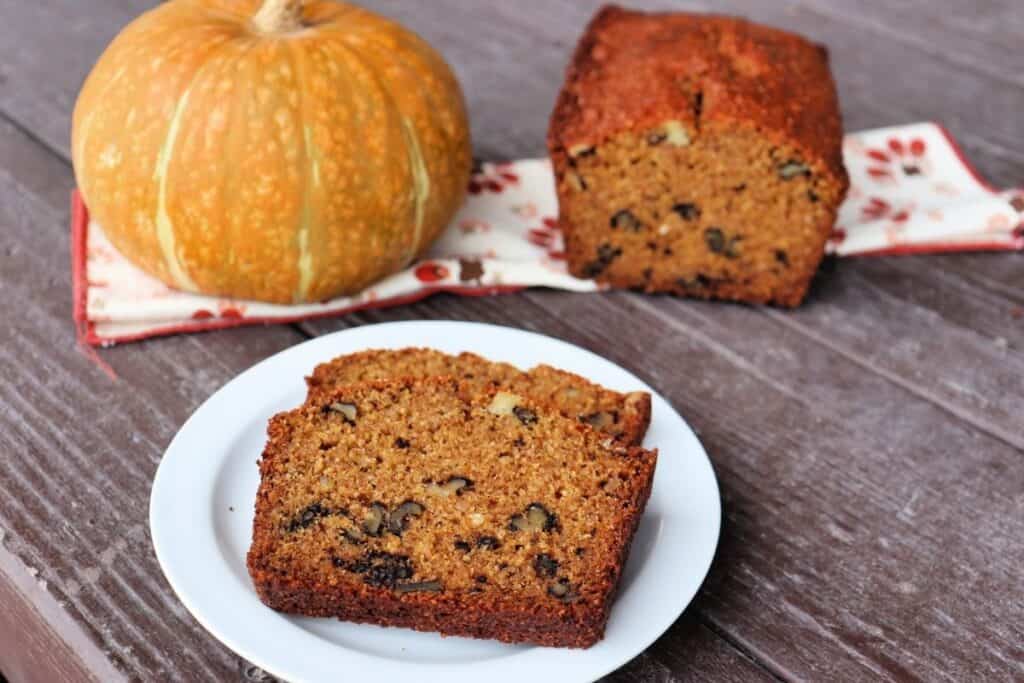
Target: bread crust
(633, 410)
(609, 88)
(492, 614)
(632, 71)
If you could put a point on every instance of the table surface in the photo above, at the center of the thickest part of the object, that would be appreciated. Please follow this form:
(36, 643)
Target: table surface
(869, 445)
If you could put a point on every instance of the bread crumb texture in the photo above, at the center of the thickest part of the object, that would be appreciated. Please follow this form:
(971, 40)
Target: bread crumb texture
(698, 155)
(430, 504)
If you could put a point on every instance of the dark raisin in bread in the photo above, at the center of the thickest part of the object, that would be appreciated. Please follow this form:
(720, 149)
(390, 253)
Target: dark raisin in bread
(423, 504)
(625, 416)
(698, 155)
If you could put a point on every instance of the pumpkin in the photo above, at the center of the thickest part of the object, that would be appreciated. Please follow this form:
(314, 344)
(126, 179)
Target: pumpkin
(282, 151)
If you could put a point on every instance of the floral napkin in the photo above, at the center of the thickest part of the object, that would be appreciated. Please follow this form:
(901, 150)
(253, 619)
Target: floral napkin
(911, 190)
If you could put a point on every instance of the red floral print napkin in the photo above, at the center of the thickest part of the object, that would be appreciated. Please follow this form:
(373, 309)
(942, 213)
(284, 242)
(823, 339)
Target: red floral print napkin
(911, 190)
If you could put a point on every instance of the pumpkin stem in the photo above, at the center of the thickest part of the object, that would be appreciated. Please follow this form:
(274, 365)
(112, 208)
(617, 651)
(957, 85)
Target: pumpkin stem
(278, 16)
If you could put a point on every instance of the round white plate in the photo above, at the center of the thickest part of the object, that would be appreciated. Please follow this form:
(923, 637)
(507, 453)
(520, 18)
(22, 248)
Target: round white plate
(201, 512)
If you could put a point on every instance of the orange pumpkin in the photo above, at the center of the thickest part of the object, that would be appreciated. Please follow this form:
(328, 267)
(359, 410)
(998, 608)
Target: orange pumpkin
(279, 150)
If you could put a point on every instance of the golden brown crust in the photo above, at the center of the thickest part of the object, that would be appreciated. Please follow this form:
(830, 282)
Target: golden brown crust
(720, 80)
(628, 415)
(300, 563)
(632, 70)
(436, 616)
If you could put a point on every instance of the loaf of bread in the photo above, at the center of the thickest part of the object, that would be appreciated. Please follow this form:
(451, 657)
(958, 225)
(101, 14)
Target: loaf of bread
(698, 155)
(624, 416)
(424, 504)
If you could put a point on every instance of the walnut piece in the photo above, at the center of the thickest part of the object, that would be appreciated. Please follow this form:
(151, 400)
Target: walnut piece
(504, 403)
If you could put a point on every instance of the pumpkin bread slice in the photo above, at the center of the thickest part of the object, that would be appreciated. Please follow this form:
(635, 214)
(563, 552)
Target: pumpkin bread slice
(624, 416)
(425, 504)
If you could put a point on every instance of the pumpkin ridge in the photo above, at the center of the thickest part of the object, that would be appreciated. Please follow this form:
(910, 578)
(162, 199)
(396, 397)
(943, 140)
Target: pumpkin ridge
(164, 225)
(385, 89)
(408, 42)
(426, 93)
(304, 263)
(238, 111)
(417, 164)
(349, 63)
(420, 184)
(383, 51)
(88, 98)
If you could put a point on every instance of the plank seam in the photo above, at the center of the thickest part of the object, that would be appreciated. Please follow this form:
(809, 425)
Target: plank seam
(881, 29)
(804, 331)
(743, 650)
(61, 625)
(27, 132)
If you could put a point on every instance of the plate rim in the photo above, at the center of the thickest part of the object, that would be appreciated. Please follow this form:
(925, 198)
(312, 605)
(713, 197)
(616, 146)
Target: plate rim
(625, 652)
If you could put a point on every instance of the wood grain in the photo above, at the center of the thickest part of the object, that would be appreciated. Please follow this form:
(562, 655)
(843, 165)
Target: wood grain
(80, 449)
(691, 652)
(38, 654)
(868, 445)
(795, 430)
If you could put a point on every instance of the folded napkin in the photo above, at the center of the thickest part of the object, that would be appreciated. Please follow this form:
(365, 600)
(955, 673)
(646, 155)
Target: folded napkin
(911, 190)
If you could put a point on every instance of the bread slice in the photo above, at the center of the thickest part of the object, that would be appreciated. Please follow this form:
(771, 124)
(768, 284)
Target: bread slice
(427, 505)
(624, 416)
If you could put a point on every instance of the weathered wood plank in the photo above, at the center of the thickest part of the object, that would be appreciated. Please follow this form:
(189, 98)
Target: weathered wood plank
(971, 33)
(38, 655)
(46, 50)
(79, 448)
(995, 273)
(844, 492)
(690, 651)
(510, 59)
(954, 345)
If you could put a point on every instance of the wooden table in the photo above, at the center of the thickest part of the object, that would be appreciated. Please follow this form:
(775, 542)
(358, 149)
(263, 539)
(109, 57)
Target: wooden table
(870, 445)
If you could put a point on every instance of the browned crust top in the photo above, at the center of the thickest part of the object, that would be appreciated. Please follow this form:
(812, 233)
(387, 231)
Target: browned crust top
(543, 383)
(633, 70)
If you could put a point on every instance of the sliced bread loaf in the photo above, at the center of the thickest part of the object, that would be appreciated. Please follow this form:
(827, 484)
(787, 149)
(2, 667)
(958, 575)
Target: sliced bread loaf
(430, 505)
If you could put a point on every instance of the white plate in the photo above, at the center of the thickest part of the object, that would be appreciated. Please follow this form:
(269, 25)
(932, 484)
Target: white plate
(201, 513)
